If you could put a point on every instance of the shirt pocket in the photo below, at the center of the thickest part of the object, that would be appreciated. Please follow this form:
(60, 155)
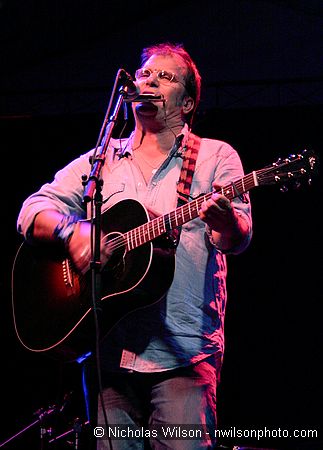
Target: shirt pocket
(198, 188)
(110, 191)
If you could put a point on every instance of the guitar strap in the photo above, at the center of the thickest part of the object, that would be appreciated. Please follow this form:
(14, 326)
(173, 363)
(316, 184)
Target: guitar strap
(188, 168)
(189, 152)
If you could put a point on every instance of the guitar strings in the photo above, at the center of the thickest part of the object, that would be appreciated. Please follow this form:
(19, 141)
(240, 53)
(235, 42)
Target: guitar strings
(155, 224)
(182, 213)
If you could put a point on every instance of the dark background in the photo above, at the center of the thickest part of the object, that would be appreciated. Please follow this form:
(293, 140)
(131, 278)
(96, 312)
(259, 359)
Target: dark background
(262, 70)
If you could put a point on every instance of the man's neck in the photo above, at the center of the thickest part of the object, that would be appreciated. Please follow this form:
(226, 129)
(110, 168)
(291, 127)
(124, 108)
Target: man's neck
(155, 142)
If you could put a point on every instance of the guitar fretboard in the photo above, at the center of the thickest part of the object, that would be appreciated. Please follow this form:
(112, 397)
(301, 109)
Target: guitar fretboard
(183, 214)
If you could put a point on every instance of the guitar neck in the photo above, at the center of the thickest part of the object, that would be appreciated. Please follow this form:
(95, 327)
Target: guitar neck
(183, 214)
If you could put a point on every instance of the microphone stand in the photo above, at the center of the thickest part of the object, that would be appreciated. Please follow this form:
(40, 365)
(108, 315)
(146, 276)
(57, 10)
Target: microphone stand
(93, 190)
(45, 429)
(93, 193)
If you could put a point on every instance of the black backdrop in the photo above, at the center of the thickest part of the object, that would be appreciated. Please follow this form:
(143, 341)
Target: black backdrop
(272, 367)
(261, 64)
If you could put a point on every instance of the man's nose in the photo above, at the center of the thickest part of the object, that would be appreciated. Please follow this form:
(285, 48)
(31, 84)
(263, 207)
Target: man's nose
(152, 79)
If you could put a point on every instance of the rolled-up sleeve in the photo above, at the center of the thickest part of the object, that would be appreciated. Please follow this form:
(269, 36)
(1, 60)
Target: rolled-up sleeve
(228, 170)
(63, 194)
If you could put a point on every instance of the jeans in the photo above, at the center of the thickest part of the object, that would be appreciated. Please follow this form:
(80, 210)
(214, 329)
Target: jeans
(140, 403)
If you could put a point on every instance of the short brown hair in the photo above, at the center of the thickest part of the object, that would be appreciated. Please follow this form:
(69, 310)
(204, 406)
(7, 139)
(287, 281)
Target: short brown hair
(192, 78)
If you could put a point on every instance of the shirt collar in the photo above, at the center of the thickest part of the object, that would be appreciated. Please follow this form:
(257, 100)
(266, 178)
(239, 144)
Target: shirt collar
(122, 147)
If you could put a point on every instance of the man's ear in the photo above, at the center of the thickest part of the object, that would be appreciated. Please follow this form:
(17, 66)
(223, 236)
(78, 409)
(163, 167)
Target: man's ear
(188, 104)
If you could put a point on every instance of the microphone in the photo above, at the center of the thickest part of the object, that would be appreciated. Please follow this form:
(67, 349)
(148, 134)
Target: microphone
(128, 89)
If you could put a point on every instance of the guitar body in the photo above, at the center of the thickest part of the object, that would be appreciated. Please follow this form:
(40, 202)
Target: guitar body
(52, 302)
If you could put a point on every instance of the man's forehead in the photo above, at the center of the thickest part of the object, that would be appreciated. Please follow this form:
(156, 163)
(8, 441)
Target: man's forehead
(171, 62)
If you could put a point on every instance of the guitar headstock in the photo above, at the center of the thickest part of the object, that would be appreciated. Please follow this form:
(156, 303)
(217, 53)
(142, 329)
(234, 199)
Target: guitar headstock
(291, 170)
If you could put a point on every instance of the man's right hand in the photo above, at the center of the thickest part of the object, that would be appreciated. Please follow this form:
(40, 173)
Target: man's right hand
(79, 247)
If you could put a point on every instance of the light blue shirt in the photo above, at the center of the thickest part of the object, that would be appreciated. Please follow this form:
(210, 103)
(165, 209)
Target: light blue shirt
(187, 325)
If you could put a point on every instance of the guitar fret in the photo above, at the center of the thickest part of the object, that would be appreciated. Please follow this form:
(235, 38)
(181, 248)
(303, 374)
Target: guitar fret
(176, 218)
(133, 236)
(164, 225)
(137, 238)
(200, 200)
(161, 227)
(183, 217)
(155, 227)
(145, 232)
(185, 213)
(132, 239)
(128, 242)
(189, 210)
(251, 181)
(131, 246)
(231, 192)
(136, 242)
(194, 208)
(148, 231)
(243, 186)
(167, 221)
(185, 210)
(141, 235)
(151, 230)
(173, 220)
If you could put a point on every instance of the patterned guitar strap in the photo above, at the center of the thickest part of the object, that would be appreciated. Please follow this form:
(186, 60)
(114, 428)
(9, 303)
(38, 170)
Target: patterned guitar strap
(189, 152)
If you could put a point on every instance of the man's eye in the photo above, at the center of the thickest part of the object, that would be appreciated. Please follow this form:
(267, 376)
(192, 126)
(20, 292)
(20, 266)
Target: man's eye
(164, 75)
(145, 73)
